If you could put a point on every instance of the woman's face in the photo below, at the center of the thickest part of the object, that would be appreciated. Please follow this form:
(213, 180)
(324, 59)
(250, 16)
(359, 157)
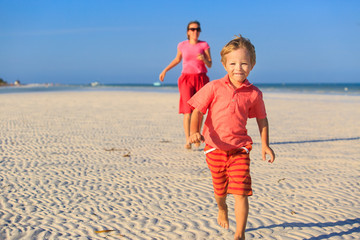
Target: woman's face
(193, 31)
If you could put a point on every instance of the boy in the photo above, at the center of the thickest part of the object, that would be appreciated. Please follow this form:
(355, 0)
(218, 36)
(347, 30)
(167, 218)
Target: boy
(230, 101)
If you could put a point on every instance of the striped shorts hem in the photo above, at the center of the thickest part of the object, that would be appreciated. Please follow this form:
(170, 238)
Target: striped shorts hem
(230, 170)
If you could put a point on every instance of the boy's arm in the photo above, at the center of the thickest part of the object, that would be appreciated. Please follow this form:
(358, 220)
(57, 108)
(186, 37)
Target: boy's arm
(264, 133)
(195, 136)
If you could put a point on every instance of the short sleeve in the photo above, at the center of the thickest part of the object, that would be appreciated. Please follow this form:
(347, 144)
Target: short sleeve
(257, 109)
(206, 46)
(203, 98)
(180, 46)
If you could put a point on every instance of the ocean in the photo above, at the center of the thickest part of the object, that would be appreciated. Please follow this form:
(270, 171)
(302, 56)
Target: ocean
(316, 88)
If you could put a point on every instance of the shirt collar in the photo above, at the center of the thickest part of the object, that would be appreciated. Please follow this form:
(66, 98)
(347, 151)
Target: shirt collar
(245, 83)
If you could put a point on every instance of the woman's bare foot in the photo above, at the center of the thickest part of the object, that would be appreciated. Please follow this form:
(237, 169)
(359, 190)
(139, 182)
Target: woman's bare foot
(187, 146)
(223, 219)
(197, 144)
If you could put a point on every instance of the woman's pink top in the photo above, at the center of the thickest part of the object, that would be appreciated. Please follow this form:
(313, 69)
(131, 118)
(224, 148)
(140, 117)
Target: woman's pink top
(190, 63)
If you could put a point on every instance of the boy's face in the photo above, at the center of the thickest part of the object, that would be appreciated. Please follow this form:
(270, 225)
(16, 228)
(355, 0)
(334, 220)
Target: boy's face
(238, 65)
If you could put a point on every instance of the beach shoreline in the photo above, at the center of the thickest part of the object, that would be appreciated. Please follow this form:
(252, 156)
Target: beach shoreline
(343, 89)
(97, 164)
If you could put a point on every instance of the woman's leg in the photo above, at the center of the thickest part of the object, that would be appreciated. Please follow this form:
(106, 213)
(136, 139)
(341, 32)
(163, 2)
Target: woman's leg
(200, 124)
(187, 117)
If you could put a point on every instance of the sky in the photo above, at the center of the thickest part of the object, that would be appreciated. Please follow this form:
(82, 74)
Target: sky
(132, 41)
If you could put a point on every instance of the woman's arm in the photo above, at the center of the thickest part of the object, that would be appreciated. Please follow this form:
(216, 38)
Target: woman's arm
(173, 63)
(206, 58)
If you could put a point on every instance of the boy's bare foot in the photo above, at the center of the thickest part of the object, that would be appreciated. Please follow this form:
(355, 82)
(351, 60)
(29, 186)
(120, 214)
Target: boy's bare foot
(223, 219)
(197, 144)
(236, 237)
(187, 146)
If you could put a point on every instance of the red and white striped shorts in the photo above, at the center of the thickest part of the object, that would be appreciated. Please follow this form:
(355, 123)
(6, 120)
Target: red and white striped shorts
(230, 170)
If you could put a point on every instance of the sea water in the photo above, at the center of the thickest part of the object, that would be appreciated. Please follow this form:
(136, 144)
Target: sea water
(318, 88)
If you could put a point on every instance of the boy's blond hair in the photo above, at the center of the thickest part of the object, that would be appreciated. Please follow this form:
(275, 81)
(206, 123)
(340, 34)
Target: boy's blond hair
(236, 43)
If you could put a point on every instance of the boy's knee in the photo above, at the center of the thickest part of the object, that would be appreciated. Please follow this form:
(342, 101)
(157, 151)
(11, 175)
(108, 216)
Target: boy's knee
(240, 197)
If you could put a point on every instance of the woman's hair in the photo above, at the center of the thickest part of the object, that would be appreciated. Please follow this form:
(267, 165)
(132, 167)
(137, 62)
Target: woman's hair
(236, 43)
(188, 26)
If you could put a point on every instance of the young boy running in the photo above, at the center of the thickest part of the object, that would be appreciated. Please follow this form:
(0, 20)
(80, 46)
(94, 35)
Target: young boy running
(230, 101)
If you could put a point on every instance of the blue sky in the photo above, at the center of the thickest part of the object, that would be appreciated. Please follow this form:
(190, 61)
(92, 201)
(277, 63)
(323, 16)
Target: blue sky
(125, 41)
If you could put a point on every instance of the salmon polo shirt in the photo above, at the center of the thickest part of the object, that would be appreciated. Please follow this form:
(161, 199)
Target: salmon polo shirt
(228, 111)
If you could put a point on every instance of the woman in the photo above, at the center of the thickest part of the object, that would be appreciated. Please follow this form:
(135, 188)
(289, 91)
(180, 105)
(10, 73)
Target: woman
(196, 57)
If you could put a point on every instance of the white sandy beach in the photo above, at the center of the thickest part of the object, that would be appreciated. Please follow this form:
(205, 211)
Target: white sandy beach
(75, 165)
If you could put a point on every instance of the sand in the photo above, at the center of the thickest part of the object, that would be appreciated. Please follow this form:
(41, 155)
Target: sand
(111, 165)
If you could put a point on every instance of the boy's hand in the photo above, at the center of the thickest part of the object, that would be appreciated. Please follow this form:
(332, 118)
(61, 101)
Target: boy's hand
(196, 138)
(268, 151)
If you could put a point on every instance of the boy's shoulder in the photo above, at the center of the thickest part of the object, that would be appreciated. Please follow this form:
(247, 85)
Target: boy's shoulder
(255, 92)
(220, 81)
(250, 86)
(255, 88)
(215, 84)
(216, 87)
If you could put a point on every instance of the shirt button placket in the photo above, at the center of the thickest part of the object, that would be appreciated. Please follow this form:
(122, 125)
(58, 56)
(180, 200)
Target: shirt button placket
(233, 102)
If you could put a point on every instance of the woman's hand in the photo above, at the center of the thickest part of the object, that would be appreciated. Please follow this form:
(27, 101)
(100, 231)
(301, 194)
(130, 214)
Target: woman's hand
(206, 58)
(162, 76)
(201, 57)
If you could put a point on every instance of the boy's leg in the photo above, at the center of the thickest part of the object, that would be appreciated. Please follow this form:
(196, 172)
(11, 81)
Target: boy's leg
(216, 161)
(223, 219)
(241, 215)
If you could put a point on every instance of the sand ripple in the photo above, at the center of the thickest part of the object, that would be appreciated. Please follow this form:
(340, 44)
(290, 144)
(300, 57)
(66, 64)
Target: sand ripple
(110, 165)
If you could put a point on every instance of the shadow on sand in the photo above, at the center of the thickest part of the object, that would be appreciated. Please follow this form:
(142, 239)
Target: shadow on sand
(317, 140)
(319, 225)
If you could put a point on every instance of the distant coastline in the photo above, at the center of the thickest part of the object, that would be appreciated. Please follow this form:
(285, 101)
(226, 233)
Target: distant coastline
(313, 88)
